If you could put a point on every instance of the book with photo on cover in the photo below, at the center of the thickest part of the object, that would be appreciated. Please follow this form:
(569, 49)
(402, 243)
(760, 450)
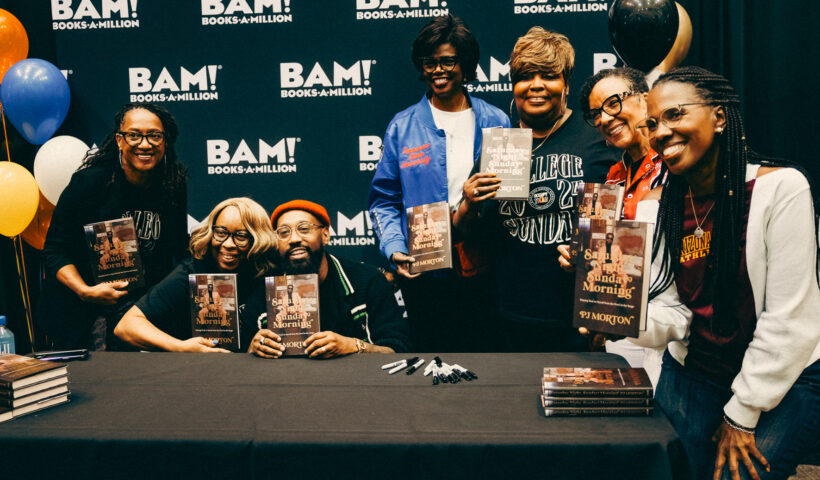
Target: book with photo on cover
(293, 309)
(18, 371)
(595, 382)
(507, 152)
(612, 277)
(428, 229)
(214, 314)
(114, 252)
(598, 201)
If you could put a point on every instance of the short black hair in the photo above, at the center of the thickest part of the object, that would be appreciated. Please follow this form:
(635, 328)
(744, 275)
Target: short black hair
(448, 29)
(635, 79)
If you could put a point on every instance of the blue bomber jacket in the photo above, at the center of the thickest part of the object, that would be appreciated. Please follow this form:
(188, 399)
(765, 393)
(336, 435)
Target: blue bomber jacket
(413, 168)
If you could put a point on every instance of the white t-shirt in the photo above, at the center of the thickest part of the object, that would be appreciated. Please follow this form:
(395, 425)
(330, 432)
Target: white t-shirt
(460, 130)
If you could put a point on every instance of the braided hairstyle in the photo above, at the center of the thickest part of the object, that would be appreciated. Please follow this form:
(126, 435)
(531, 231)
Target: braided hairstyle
(169, 171)
(730, 197)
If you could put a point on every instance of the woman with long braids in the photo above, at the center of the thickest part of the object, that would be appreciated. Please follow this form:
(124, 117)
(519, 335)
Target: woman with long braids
(135, 173)
(735, 292)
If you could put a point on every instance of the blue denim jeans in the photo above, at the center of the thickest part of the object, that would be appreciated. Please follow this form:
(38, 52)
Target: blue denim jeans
(784, 435)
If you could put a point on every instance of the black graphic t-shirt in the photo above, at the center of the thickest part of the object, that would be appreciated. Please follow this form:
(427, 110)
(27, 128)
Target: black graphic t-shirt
(532, 287)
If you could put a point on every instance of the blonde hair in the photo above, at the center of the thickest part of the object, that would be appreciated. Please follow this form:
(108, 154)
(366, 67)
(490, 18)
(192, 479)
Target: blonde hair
(541, 51)
(254, 219)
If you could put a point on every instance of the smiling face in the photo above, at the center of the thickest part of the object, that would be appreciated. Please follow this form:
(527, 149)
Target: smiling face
(690, 144)
(301, 254)
(140, 159)
(444, 84)
(619, 130)
(539, 99)
(227, 254)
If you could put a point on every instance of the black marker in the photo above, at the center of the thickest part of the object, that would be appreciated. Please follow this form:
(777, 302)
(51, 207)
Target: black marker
(415, 367)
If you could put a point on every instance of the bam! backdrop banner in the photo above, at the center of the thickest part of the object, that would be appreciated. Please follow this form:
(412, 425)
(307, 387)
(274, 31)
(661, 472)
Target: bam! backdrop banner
(283, 99)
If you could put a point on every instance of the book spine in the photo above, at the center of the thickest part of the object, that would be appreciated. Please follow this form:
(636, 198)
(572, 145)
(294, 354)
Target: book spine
(597, 411)
(575, 392)
(547, 401)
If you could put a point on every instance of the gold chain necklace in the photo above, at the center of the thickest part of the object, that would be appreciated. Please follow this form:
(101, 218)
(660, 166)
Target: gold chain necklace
(554, 126)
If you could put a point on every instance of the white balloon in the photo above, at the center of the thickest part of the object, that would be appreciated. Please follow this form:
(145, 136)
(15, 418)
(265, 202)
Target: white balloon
(56, 162)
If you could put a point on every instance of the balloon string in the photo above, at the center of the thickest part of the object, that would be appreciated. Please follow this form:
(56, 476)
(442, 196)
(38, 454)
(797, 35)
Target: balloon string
(21, 276)
(5, 135)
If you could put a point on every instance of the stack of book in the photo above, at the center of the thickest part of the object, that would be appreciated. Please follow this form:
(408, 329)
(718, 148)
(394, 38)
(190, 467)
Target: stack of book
(28, 385)
(595, 392)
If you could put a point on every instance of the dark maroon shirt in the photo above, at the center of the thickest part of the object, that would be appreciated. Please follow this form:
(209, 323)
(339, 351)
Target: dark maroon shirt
(715, 355)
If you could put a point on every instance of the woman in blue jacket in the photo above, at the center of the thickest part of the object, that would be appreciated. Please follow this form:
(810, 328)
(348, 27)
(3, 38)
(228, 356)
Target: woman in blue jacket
(429, 150)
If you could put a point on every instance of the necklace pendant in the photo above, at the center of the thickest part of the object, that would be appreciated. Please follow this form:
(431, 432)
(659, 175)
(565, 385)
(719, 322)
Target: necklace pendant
(699, 232)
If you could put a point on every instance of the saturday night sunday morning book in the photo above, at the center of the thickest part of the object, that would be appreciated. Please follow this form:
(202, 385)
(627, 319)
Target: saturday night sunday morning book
(612, 277)
(595, 382)
(214, 314)
(293, 309)
(114, 252)
(428, 229)
(507, 152)
(28, 385)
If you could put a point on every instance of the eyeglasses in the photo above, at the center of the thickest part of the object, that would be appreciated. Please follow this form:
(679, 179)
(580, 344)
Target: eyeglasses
(135, 138)
(670, 117)
(303, 229)
(241, 238)
(447, 64)
(612, 106)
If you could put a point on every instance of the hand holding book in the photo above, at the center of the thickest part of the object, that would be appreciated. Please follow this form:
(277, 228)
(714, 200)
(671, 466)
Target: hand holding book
(329, 344)
(266, 344)
(403, 263)
(480, 187)
(104, 293)
(199, 345)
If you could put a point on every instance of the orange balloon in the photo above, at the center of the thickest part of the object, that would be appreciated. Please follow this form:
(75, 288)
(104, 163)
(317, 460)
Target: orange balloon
(13, 41)
(35, 233)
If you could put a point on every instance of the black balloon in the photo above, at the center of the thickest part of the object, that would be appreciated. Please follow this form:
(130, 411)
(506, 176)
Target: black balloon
(643, 31)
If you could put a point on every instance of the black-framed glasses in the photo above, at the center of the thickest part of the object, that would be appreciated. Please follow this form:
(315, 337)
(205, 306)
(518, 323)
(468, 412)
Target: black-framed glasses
(447, 64)
(241, 238)
(612, 106)
(302, 228)
(135, 138)
(670, 117)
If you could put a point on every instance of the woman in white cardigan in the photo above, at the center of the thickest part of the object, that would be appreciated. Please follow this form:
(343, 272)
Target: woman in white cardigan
(734, 294)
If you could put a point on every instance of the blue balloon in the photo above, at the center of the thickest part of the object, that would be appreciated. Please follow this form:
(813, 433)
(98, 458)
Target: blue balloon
(35, 97)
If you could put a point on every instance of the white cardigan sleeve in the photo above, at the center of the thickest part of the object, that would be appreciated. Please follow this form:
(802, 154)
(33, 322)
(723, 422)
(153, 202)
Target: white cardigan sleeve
(781, 254)
(667, 318)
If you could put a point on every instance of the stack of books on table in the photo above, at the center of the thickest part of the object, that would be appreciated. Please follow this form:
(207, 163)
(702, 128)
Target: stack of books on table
(595, 392)
(28, 385)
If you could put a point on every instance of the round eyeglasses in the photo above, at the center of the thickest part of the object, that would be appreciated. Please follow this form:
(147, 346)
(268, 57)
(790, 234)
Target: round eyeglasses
(241, 238)
(612, 106)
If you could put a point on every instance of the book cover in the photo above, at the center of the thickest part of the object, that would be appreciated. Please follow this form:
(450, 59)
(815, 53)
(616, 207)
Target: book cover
(428, 229)
(600, 382)
(114, 252)
(612, 277)
(599, 201)
(293, 309)
(34, 397)
(17, 371)
(597, 411)
(507, 152)
(214, 314)
(557, 401)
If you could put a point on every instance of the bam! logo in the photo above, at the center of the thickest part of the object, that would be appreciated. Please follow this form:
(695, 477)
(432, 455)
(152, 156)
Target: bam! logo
(370, 151)
(394, 9)
(222, 159)
(343, 82)
(355, 231)
(523, 7)
(496, 78)
(197, 85)
(85, 14)
(236, 12)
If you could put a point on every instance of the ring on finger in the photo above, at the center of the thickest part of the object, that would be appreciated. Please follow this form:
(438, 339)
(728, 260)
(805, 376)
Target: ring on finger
(475, 192)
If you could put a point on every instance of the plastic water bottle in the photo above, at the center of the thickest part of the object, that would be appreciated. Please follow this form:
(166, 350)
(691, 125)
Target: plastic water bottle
(6, 337)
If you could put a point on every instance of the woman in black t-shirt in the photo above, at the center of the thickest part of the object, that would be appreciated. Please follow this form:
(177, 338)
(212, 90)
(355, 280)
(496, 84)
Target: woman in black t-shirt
(235, 238)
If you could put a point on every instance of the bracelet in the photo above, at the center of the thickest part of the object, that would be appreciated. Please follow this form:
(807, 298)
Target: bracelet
(360, 346)
(738, 427)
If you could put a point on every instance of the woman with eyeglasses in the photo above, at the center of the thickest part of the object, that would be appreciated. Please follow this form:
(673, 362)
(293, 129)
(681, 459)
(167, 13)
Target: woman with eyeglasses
(235, 238)
(429, 150)
(135, 173)
(535, 295)
(734, 296)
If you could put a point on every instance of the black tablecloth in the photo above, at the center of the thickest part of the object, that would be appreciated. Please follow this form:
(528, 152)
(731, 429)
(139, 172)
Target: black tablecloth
(151, 415)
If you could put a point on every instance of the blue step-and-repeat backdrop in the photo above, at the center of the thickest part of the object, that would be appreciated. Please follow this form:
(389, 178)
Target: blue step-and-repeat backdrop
(283, 99)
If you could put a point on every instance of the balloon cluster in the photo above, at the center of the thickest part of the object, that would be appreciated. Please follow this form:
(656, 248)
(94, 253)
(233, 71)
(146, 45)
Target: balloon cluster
(35, 97)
